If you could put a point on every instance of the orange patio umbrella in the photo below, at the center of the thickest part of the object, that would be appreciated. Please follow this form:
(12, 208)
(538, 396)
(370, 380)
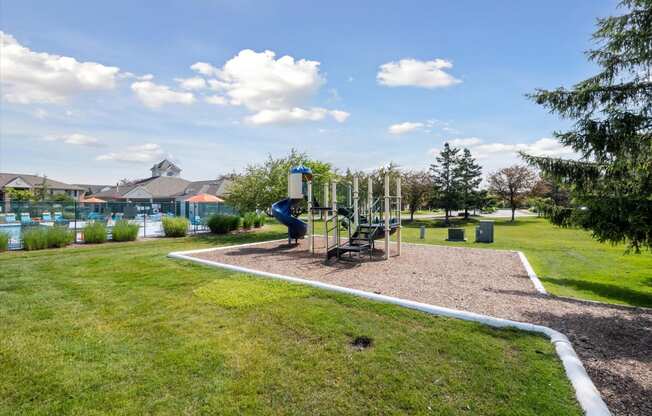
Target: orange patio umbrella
(94, 200)
(204, 198)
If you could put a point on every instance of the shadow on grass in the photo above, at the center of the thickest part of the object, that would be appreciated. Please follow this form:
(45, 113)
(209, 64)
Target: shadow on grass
(237, 238)
(622, 294)
(439, 222)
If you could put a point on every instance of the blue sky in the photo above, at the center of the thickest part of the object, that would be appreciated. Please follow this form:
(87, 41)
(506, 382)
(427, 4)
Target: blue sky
(436, 71)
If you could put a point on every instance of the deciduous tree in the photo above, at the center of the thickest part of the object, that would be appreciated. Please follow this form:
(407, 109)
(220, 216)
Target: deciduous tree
(416, 186)
(512, 185)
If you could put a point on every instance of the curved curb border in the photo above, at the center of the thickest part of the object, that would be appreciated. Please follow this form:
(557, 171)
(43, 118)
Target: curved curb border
(531, 274)
(587, 394)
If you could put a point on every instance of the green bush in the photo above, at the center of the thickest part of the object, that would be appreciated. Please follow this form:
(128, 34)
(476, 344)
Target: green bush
(234, 222)
(4, 241)
(40, 237)
(259, 221)
(248, 220)
(175, 226)
(123, 230)
(222, 224)
(59, 236)
(95, 233)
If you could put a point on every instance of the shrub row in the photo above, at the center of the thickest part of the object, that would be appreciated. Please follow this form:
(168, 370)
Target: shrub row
(123, 230)
(222, 224)
(95, 233)
(175, 226)
(38, 238)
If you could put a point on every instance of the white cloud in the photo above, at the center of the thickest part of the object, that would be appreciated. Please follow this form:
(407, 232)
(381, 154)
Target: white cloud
(470, 141)
(339, 115)
(542, 147)
(39, 77)
(40, 113)
(148, 152)
(193, 83)
(496, 155)
(275, 90)
(294, 115)
(215, 99)
(154, 95)
(75, 139)
(204, 68)
(415, 73)
(258, 81)
(402, 128)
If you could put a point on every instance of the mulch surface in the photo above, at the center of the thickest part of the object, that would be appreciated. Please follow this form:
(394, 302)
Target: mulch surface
(614, 343)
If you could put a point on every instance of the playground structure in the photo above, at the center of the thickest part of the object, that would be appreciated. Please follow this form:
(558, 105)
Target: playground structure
(343, 206)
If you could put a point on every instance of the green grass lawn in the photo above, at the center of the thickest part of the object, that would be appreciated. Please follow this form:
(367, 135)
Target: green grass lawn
(121, 329)
(568, 261)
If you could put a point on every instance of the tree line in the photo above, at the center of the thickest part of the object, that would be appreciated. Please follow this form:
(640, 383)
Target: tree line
(452, 183)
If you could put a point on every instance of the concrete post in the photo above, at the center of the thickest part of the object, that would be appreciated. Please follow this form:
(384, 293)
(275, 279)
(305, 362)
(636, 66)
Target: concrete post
(387, 211)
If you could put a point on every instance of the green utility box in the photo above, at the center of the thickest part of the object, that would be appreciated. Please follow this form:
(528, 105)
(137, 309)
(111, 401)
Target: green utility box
(456, 234)
(484, 232)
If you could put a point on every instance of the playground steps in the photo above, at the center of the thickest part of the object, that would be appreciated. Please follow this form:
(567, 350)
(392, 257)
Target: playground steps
(354, 246)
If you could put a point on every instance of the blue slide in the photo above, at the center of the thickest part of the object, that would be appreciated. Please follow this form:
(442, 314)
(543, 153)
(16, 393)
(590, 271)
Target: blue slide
(282, 211)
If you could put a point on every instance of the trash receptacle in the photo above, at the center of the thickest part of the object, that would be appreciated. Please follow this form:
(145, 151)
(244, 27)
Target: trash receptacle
(484, 232)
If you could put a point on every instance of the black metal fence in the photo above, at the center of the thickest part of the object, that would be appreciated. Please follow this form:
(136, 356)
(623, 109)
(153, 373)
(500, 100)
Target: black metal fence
(15, 216)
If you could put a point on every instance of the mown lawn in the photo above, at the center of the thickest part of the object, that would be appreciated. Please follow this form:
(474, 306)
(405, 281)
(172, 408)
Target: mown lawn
(121, 329)
(568, 261)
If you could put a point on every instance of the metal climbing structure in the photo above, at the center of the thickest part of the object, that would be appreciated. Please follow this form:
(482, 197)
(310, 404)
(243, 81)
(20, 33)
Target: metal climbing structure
(363, 219)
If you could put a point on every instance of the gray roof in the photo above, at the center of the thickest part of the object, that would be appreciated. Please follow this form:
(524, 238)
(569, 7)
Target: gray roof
(158, 187)
(37, 181)
(92, 189)
(169, 187)
(217, 187)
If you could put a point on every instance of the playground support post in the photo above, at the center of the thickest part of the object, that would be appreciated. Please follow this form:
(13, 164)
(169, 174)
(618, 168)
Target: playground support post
(356, 196)
(370, 199)
(336, 234)
(398, 220)
(387, 211)
(311, 237)
(325, 218)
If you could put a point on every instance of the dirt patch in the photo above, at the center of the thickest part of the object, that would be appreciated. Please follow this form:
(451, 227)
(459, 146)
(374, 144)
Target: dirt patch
(362, 342)
(614, 343)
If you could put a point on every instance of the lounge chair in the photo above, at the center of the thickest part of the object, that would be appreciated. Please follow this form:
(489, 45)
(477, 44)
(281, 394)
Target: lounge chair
(10, 217)
(46, 217)
(95, 216)
(25, 218)
(58, 217)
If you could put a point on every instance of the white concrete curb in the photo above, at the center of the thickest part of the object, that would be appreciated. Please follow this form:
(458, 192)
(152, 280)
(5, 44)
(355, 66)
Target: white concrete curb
(585, 391)
(530, 272)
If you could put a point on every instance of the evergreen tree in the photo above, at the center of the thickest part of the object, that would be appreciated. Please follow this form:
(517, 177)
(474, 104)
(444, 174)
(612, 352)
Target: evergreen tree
(469, 174)
(611, 185)
(446, 180)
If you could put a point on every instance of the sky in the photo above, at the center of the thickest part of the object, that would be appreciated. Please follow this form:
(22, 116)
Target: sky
(93, 92)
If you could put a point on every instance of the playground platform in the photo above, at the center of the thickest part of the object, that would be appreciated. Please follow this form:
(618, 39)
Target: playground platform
(613, 342)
